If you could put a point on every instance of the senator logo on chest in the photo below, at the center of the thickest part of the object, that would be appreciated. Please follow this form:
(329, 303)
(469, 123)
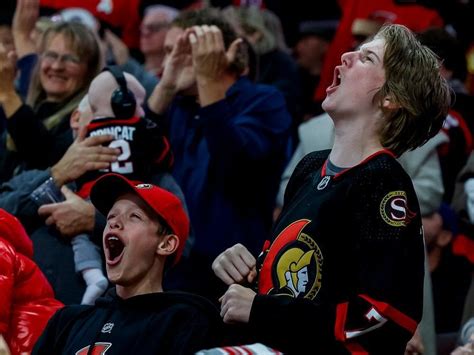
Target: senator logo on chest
(293, 265)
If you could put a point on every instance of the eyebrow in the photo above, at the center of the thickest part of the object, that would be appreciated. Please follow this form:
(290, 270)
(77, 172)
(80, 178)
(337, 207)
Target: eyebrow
(369, 52)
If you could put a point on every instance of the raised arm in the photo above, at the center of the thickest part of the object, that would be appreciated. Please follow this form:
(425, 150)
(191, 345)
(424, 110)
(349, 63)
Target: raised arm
(24, 21)
(9, 99)
(177, 75)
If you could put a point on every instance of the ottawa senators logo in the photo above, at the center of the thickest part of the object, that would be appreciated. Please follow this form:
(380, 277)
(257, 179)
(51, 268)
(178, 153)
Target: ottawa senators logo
(293, 265)
(394, 209)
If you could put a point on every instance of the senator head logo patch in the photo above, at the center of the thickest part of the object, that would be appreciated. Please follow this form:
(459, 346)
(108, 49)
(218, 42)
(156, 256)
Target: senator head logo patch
(394, 209)
(293, 265)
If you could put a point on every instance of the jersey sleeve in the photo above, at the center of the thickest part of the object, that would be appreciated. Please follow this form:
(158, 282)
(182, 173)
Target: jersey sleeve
(390, 260)
(382, 304)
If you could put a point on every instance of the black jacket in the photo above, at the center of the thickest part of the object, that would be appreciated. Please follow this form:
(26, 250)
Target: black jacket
(37, 147)
(156, 323)
(52, 252)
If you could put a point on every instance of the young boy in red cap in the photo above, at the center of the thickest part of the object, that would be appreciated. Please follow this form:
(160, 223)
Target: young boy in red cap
(145, 235)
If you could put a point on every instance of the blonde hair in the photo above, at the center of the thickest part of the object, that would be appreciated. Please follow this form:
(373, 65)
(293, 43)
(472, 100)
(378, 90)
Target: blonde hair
(85, 43)
(415, 86)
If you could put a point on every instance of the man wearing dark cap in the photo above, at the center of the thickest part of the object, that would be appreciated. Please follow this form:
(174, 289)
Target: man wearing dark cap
(145, 235)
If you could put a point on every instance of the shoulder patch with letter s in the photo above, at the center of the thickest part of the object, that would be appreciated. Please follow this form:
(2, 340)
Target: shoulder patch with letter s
(394, 209)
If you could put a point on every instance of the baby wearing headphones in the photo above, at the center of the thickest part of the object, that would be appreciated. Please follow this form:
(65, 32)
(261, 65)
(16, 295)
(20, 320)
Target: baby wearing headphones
(115, 99)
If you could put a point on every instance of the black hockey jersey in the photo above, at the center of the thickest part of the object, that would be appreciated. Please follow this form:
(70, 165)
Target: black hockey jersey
(155, 323)
(346, 261)
(144, 149)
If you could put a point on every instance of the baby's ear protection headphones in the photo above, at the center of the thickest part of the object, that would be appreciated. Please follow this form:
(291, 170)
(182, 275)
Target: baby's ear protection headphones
(122, 101)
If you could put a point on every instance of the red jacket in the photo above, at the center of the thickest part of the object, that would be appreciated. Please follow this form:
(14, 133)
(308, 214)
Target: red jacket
(26, 298)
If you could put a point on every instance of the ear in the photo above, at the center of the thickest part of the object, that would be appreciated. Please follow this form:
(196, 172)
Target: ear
(168, 245)
(74, 120)
(390, 104)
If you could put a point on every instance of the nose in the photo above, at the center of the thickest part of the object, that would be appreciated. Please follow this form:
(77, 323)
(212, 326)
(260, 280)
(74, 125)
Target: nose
(346, 58)
(58, 63)
(115, 223)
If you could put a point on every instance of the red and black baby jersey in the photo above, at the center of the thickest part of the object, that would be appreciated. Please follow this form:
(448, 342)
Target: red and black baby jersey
(144, 149)
(344, 272)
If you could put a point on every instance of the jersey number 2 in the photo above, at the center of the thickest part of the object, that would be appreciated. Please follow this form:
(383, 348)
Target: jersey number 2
(122, 165)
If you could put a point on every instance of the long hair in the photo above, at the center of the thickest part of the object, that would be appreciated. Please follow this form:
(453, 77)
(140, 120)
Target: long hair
(414, 83)
(84, 42)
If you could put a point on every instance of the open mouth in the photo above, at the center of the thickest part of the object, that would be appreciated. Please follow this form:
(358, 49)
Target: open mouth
(336, 80)
(337, 77)
(114, 249)
(57, 77)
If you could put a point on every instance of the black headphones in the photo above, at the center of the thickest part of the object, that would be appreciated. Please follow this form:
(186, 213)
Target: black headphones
(122, 101)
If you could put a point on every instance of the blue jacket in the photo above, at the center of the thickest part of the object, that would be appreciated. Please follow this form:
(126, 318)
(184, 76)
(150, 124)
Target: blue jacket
(229, 158)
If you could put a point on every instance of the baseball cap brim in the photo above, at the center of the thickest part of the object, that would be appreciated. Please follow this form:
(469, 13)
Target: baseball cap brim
(108, 189)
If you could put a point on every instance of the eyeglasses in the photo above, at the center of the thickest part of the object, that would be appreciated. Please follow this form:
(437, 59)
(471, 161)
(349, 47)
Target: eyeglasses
(153, 27)
(67, 59)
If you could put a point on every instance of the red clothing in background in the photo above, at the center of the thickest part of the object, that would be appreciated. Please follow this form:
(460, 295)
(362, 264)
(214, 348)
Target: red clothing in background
(26, 299)
(120, 14)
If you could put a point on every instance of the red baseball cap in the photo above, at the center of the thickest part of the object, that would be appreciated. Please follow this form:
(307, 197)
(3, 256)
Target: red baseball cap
(108, 188)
